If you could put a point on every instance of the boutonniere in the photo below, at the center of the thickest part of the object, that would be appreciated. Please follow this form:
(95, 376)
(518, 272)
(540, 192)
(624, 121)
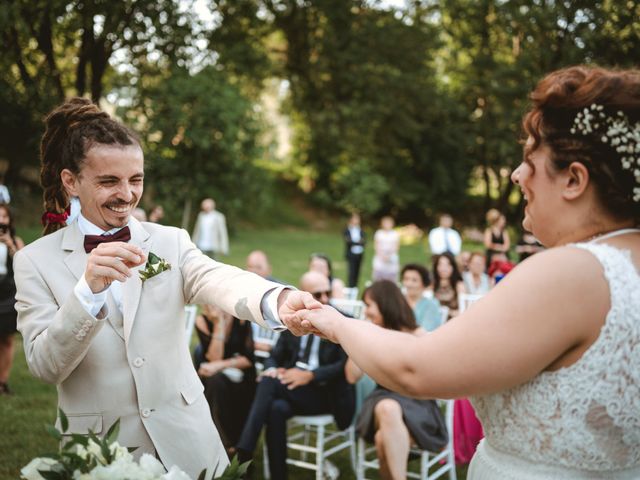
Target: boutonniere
(155, 265)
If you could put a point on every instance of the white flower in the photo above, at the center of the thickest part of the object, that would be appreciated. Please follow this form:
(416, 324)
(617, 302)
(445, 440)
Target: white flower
(151, 465)
(175, 473)
(95, 451)
(121, 469)
(118, 451)
(30, 471)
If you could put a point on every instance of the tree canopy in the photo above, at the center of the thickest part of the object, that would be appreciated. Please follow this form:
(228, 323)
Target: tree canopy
(409, 110)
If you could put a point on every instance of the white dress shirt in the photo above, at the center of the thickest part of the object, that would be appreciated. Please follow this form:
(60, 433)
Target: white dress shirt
(93, 302)
(440, 237)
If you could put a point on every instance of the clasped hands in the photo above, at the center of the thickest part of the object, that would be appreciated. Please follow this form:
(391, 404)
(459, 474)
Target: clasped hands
(302, 315)
(291, 377)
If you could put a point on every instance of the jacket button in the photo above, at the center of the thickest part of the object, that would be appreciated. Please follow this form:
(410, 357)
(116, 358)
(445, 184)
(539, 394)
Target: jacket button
(146, 413)
(138, 362)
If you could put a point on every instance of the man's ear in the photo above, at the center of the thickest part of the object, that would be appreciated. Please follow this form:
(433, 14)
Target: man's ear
(69, 182)
(576, 181)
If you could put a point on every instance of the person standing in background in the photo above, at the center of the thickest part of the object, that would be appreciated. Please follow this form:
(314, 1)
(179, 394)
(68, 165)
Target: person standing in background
(386, 263)
(4, 193)
(210, 233)
(444, 238)
(354, 241)
(9, 245)
(496, 237)
(527, 246)
(156, 214)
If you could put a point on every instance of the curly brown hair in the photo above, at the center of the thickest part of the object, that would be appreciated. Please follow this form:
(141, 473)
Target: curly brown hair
(72, 129)
(557, 99)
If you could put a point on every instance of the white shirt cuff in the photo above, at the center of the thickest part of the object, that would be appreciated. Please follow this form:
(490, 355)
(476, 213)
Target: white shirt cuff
(91, 302)
(269, 307)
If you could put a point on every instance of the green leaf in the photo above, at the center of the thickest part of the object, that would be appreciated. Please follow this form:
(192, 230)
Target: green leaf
(64, 421)
(51, 475)
(54, 432)
(112, 433)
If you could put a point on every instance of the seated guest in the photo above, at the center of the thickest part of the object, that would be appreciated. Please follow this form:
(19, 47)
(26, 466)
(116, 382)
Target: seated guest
(476, 281)
(447, 282)
(390, 420)
(499, 268)
(258, 263)
(303, 376)
(227, 372)
(527, 246)
(463, 261)
(319, 262)
(416, 280)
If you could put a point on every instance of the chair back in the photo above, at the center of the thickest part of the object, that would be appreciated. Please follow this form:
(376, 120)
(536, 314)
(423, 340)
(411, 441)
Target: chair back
(353, 308)
(264, 335)
(444, 315)
(465, 300)
(350, 293)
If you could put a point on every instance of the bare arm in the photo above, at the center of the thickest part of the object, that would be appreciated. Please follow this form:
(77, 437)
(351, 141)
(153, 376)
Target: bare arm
(488, 244)
(507, 241)
(352, 372)
(537, 317)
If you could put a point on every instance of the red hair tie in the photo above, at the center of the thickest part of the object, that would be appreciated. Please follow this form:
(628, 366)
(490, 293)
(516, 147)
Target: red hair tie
(51, 217)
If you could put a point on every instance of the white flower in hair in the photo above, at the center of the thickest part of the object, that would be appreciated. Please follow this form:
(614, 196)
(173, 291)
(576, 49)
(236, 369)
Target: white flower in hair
(616, 131)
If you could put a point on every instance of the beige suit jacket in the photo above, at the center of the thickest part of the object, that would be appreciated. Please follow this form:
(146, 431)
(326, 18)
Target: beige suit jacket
(136, 365)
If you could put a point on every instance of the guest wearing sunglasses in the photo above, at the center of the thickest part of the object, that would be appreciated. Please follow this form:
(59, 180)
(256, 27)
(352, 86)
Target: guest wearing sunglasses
(303, 376)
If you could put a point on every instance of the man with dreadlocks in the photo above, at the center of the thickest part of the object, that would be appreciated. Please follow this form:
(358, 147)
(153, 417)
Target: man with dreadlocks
(100, 301)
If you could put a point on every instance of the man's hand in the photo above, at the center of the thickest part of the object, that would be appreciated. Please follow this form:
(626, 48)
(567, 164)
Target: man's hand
(111, 261)
(294, 377)
(272, 373)
(292, 301)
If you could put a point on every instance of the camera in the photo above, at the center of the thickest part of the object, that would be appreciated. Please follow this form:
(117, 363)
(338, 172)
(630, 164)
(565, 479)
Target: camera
(3, 228)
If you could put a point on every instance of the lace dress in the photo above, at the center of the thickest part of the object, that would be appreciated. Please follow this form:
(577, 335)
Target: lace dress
(582, 421)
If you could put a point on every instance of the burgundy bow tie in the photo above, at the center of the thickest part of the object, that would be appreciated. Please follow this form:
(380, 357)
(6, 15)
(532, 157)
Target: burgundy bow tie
(92, 241)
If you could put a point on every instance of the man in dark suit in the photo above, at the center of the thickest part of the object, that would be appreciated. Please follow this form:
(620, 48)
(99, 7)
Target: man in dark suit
(303, 376)
(354, 248)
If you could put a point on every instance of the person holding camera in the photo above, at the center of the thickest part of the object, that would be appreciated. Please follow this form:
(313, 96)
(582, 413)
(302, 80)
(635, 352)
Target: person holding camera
(9, 245)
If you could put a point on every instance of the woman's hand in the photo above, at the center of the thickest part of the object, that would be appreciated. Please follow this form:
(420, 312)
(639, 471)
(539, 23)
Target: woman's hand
(324, 321)
(209, 369)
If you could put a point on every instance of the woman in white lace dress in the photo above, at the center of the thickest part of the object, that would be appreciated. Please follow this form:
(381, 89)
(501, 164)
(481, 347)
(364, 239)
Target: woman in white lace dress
(551, 356)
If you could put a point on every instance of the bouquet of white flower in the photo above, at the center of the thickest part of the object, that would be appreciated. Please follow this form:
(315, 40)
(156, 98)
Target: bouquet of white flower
(87, 457)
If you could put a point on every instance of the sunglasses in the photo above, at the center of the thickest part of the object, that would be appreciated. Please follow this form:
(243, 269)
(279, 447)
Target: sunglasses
(318, 295)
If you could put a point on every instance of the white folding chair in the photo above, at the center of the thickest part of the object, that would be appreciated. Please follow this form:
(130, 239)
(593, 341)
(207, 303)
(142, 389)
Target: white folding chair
(190, 314)
(266, 336)
(432, 464)
(465, 300)
(354, 308)
(444, 315)
(328, 441)
(350, 293)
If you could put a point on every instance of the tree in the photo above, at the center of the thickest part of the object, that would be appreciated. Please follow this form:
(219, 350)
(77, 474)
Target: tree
(201, 138)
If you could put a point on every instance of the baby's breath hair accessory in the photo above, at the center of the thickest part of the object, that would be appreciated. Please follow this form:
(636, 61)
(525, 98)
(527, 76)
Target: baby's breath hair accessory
(617, 131)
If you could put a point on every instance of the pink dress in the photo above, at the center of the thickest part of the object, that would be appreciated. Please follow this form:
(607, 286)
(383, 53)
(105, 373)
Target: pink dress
(467, 431)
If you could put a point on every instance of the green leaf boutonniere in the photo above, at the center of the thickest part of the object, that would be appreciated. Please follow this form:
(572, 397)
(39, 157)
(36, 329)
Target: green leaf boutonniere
(155, 265)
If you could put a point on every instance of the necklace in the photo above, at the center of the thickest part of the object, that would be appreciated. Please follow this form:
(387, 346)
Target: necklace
(616, 233)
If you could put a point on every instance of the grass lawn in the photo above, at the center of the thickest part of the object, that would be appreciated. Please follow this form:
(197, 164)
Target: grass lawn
(23, 415)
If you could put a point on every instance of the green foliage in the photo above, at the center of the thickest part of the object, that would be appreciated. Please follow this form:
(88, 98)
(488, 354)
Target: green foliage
(201, 137)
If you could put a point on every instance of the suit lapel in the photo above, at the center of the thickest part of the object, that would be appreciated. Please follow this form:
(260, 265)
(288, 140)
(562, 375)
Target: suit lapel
(132, 288)
(73, 241)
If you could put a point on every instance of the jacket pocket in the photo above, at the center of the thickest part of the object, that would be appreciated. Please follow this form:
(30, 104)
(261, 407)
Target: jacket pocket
(82, 423)
(190, 393)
